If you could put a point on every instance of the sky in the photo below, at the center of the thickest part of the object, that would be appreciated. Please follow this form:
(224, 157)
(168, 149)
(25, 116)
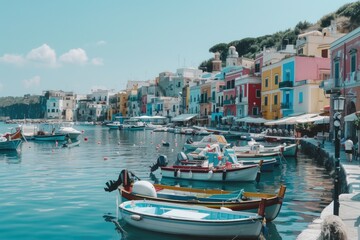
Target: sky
(80, 45)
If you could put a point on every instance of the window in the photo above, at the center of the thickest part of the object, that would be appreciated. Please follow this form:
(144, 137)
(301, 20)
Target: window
(324, 53)
(258, 93)
(257, 67)
(300, 97)
(287, 76)
(337, 73)
(255, 110)
(276, 79)
(275, 99)
(265, 101)
(266, 82)
(353, 60)
(54, 104)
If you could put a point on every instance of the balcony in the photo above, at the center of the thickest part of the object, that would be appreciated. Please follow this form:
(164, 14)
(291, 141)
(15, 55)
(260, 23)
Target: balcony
(286, 84)
(227, 102)
(286, 105)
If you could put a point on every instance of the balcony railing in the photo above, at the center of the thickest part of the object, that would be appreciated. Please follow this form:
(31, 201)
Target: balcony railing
(229, 101)
(286, 84)
(286, 105)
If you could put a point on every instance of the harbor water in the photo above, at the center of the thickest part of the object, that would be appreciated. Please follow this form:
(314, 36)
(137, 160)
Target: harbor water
(49, 192)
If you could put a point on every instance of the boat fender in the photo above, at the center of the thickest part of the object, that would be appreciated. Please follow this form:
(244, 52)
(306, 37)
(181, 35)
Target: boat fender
(224, 174)
(190, 174)
(210, 173)
(135, 217)
(226, 209)
(177, 173)
(258, 175)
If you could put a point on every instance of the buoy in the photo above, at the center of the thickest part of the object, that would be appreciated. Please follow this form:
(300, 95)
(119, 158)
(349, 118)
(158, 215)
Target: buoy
(105, 158)
(56, 143)
(85, 139)
(99, 142)
(82, 131)
(172, 150)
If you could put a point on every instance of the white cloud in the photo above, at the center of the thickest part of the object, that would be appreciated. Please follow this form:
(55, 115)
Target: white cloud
(32, 82)
(13, 59)
(97, 61)
(77, 56)
(43, 54)
(101, 42)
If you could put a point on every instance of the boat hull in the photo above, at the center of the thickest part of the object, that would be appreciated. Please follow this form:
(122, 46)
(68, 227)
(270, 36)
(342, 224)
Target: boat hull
(153, 220)
(245, 174)
(56, 137)
(272, 206)
(10, 145)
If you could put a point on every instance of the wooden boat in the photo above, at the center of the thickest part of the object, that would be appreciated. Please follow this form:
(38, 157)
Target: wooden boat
(71, 144)
(16, 135)
(182, 219)
(237, 200)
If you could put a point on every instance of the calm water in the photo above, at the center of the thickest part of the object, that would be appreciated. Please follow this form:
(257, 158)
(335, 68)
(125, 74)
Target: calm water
(52, 193)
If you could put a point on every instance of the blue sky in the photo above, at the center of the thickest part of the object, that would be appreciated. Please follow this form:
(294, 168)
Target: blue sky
(79, 45)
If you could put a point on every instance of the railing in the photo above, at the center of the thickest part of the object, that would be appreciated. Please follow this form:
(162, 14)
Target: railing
(229, 102)
(286, 84)
(286, 105)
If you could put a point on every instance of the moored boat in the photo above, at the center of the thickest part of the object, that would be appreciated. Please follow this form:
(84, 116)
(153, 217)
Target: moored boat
(9, 144)
(206, 140)
(44, 136)
(182, 219)
(213, 198)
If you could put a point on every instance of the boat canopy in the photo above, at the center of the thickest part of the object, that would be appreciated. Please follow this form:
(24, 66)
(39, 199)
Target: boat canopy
(183, 117)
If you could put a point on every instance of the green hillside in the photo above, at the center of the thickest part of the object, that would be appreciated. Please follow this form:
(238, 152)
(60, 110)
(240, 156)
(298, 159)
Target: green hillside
(347, 17)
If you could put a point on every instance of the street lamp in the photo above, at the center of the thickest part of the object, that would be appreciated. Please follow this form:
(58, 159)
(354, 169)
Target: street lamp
(338, 108)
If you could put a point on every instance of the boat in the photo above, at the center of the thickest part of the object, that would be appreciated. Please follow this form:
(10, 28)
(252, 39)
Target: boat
(206, 140)
(71, 144)
(285, 149)
(29, 130)
(45, 136)
(15, 135)
(211, 169)
(114, 125)
(69, 131)
(133, 125)
(213, 198)
(227, 154)
(190, 220)
(9, 144)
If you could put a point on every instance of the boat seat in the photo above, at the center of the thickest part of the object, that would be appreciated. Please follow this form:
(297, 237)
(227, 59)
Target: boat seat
(181, 156)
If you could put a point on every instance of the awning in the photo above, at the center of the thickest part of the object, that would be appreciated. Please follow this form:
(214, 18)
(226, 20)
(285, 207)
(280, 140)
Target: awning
(291, 120)
(351, 117)
(183, 117)
(325, 120)
(281, 121)
(311, 119)
(251, 120)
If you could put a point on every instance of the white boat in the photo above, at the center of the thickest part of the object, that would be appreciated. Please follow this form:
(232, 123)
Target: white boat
(207, 140)
(182, 219)
(69, 131)
(29, 130)
(285, 149)
(213, 168)
(114, 125)
(133, 125)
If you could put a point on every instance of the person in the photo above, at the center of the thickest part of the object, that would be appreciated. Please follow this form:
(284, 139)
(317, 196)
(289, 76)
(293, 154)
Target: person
(349, 149)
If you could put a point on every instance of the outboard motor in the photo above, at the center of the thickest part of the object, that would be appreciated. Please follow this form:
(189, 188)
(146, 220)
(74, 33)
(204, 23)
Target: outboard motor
(161, 162)
(189, 141)
(124, 178)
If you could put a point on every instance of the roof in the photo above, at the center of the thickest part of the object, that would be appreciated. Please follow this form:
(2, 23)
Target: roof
(183, 117)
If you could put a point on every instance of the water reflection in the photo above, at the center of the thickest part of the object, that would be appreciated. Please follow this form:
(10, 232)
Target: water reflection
(10, 156)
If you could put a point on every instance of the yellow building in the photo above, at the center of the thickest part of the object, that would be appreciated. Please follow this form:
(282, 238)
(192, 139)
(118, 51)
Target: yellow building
(270, 94)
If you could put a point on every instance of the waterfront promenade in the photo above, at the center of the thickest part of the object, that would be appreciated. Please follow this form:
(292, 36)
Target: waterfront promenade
(349, 202)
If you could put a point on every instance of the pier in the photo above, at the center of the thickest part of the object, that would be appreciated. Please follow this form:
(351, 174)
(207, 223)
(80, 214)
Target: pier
(350, 182)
